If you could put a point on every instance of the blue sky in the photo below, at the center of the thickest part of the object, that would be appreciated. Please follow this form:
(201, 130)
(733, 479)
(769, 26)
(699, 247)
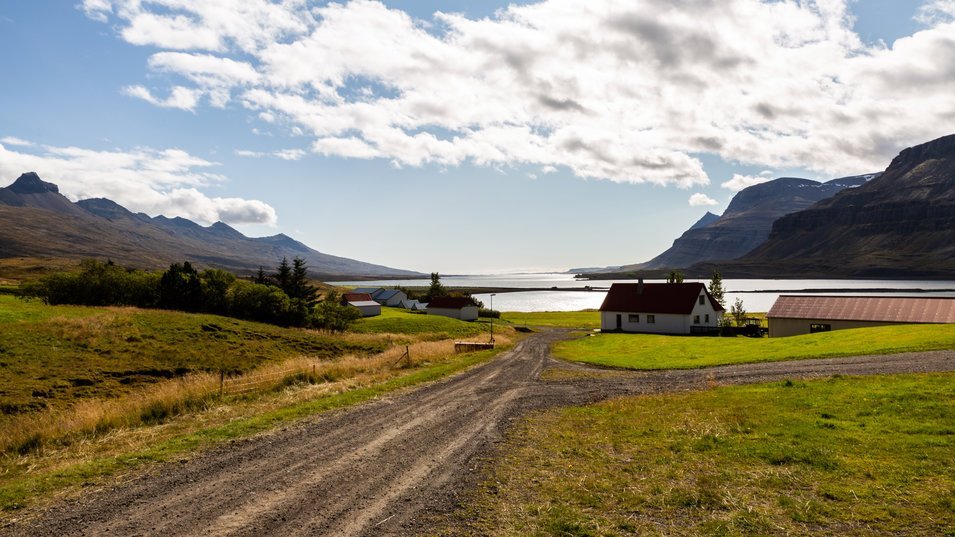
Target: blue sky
(526, 139)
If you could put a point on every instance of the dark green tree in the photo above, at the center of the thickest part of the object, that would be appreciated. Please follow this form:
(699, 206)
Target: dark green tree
(675, 277)
(215, 287)
(437, 289)
(261, 277)
(180, 288)
(739, 312)
(283, 275)
(716, 288)
(330, 314)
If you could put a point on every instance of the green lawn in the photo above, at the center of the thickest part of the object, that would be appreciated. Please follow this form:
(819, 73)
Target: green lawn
(845, 456)
(563, 319)
(401, 321)
(52, 356)
(644, 351)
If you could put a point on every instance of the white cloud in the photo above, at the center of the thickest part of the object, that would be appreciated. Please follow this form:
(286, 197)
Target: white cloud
(142, 180)
(13, 140)
(284, 154)
(700, 200)
(610, 89)
(936, 12)
(739, 182)
(179, 97)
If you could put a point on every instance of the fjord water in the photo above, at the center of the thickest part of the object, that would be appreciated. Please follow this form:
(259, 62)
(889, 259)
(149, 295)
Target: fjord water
(757, 295)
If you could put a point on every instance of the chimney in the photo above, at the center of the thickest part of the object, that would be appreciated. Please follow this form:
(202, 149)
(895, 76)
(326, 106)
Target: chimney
(640, 286)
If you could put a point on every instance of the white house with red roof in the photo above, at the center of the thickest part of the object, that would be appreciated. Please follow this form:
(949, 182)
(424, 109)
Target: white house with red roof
(660, 308)
(364, 303)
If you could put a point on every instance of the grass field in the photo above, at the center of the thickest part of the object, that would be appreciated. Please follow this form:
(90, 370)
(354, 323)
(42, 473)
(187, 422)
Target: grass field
(845, 456)
(53, 356)
(645, 351)
(87, 392)
(400, 321)
(562, 319)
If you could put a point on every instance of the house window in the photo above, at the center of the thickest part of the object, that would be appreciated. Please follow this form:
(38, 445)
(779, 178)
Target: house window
(696, 319)
(702, 299)
(633, 318)
(707, 318)
(651, 319)
(814, 327)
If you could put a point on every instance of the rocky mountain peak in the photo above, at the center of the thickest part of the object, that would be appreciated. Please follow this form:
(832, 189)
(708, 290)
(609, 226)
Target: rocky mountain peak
(30, 183)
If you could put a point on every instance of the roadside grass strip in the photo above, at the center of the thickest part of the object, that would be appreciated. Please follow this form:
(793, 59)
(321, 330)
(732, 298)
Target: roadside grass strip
(842, 456)
(561, 319)
(647, 351)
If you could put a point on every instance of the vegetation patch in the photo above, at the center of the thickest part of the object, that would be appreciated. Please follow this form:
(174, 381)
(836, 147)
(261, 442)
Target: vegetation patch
(563, 319)
(400, 321)
(844, 456)
(646, 351)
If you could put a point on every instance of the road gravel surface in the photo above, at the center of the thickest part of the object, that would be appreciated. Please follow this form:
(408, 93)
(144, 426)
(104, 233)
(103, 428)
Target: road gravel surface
(390, 466)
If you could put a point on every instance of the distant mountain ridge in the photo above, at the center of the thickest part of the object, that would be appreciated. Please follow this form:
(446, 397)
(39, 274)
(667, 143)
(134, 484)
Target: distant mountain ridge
(747, 221)
(37, 221)
(901, 224)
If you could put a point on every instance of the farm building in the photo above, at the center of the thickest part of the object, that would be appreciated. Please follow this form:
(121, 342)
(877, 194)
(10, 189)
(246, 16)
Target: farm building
(793, 315)
(660, 308)
(390, 297)
(456, 307)
(373, 291)
(364, 303)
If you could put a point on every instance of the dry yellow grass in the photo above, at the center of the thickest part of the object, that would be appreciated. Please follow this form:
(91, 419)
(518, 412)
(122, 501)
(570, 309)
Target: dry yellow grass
(158, 403)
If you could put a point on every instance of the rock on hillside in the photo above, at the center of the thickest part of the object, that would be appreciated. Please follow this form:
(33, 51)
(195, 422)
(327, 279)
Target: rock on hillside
(901, 224)
(747, 221)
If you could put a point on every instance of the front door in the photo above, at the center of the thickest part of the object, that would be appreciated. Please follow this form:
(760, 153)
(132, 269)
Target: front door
(619, 322)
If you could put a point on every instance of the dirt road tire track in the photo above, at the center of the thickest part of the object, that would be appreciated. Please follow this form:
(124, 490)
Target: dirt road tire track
(388, 466)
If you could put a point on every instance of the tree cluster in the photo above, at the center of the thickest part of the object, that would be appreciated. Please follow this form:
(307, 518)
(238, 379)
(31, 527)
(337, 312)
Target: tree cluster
(285, 297)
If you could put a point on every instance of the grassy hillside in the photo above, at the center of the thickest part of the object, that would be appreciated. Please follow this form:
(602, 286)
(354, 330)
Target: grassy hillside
(86, 392)
(645, 351)
(846, 456)
(53, 356)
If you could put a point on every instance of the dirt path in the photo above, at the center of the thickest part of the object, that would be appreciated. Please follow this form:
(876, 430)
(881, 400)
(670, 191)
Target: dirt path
(385, 467)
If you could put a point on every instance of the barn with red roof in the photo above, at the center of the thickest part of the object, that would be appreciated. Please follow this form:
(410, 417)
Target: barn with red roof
(660, 308)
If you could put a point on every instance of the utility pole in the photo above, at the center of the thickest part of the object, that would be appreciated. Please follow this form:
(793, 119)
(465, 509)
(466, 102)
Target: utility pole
(492, 317)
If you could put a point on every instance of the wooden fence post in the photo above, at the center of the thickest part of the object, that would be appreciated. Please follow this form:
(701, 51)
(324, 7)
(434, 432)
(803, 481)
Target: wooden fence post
(221, 382)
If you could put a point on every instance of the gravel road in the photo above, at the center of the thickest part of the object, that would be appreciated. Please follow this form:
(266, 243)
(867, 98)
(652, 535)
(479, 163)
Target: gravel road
(388, 466)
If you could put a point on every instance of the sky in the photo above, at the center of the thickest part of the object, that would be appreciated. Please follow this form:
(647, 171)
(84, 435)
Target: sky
(464, 137)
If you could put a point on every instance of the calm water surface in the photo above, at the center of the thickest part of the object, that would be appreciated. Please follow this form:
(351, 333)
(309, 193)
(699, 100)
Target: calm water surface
(757, 295)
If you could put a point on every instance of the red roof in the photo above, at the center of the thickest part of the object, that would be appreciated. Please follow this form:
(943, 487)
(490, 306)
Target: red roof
(451, 302)
(889, 309)
(675, 298)
(356, 297)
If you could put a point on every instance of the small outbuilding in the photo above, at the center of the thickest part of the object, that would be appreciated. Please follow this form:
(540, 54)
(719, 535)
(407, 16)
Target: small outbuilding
(793, 315)
(364, 303)
(456, 307)
(390, 297)
(660, 308)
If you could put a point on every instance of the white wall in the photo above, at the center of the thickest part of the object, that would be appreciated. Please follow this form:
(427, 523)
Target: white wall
(369, 311)
(468, 313)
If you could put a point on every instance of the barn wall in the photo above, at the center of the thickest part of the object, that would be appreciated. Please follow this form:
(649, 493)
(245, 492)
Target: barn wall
(780, 327)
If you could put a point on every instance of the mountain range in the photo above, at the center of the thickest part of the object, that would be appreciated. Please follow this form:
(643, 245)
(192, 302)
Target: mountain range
(897, 223)
(747, 221)
(37, 221)
(901, 224)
